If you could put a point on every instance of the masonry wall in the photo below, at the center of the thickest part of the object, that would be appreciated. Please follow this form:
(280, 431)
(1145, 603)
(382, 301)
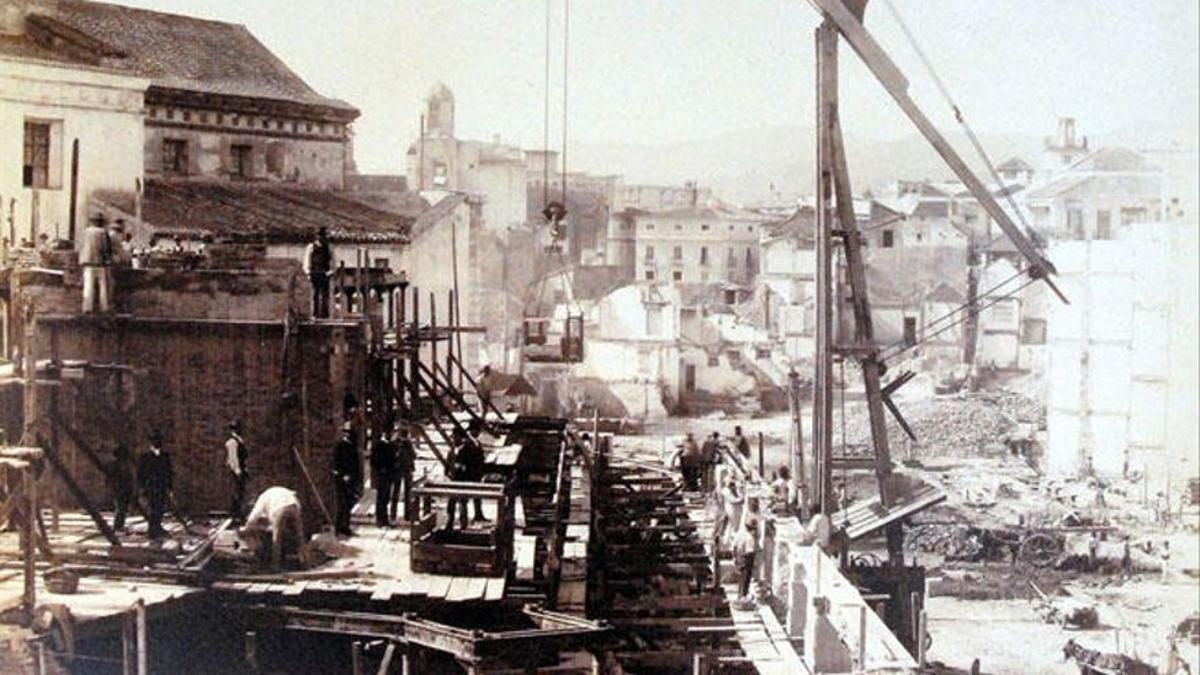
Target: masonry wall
(188, 376)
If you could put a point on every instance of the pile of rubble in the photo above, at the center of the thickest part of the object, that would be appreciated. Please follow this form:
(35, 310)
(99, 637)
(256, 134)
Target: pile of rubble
(955, 426)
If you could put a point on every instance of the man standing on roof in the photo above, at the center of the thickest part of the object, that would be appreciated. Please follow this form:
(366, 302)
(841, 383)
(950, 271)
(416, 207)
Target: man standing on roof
(318, 265)
(710, 454)
(95, 257)
(236, 457)
(740, 442)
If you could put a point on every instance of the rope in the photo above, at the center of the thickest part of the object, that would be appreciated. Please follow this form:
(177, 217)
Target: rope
(566, 42)
(960, 308)
(958, 115)
(929, 337)
(546, 119)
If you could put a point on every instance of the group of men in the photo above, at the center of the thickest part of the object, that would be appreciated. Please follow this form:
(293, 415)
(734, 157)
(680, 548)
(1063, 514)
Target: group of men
(100, 250)
(698, 462)
(154, 484)
(392, 458)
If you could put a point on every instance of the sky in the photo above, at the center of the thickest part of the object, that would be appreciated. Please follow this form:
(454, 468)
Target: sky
(650, 72)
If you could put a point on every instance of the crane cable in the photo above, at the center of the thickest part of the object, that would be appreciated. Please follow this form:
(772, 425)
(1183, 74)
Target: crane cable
(958, 116)
(546, 118)
(938, 332)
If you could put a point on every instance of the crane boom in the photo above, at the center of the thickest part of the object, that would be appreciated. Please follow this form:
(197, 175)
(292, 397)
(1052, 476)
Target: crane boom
(889, 75)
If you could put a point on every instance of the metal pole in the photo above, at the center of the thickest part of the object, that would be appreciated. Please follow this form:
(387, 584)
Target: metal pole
(140, 609)
(762, 466)
(31, 506)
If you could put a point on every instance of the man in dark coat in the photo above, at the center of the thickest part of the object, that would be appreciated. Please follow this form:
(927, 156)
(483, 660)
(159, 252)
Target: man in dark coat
(318, 264)
(237, 460)
(347, 477)
(155, 482)
(383, 469)
(120, 473)
(406, 460)
(467, 465)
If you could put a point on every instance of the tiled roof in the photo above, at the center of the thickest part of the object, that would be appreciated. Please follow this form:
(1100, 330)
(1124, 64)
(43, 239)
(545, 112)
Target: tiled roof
(178, 52)
(254, 212)
(926, 209)
(802, 224)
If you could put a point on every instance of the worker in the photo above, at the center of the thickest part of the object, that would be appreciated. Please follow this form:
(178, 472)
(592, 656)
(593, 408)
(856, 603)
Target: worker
(710, 454)
(782, 495)
(236, 460)
(745, 550)
(122, 485)
(275, 518)
(383, 469)
(1093, 550)
(1166, 560)
(1126, 559)
(318, 265)
(95, 257)
(689, 459)
(154, 479)
(347, 477)
(468, 467)
(731, 511)
(740, 442)
(820, 529)
(406, 461)
(484, 387)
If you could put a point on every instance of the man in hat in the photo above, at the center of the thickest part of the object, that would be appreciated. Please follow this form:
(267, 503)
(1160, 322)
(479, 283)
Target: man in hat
(154, 480)
(406, 460)
(347, 478)
(95, 257)
(318, 265)
(236, 457)
(383, 469)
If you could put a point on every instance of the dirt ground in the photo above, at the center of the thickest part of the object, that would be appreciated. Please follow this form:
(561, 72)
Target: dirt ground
(993, 489)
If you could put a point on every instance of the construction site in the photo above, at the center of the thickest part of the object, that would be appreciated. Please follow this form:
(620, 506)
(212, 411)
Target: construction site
(249, 397)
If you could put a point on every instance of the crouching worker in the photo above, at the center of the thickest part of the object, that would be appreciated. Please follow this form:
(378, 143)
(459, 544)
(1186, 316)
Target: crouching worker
(276, 521)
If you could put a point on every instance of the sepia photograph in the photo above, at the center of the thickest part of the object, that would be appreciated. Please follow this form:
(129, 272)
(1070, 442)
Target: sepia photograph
(599, 337)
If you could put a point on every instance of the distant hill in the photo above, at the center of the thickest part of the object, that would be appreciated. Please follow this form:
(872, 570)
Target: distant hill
(742, 165)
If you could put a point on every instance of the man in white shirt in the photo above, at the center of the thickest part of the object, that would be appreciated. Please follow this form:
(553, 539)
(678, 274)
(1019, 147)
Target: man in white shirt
(95, 257)
(236, 457)
(276, 515)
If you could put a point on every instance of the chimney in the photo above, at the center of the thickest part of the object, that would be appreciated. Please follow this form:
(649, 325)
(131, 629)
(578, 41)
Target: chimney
(13, 13)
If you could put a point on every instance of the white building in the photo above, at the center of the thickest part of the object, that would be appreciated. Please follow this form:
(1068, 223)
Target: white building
(1122, 369)
(51, 109)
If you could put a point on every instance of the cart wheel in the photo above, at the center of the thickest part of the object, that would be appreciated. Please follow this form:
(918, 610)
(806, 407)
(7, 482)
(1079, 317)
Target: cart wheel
(1040, 549)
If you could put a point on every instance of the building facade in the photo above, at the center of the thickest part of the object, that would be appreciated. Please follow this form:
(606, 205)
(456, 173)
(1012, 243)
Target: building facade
(70, 130)
(697, 245)
(494, 172)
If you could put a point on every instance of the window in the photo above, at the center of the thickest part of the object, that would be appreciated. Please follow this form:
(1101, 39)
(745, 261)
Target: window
(762, 353)
(677, 253)
(703, 255)
(649, 275)
(1104, 224)
(1133, 215)
(749, 228)
(678, 227)
(220, 118)
(1075, 221)
(677, 275)
(204, 118)
(654, 320)
(749, 259)
(730, 296)
(153, 112)
(187, 116)
(704, 227)
(889, 239)
(36, 166)
(649, 226)
(649, 253)
(174, 156)
(241, 164)
(170, 113)
(910, 330)
(1033, 332)
(279, 124)
(266, 124)
(308, 126)
(714, 361)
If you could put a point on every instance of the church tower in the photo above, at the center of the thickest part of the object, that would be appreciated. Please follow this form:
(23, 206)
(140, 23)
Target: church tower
(439, 112)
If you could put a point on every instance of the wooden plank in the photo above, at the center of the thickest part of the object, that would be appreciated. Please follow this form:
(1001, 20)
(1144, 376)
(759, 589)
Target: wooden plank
(495, 589)
(459, 589)
(525, 554)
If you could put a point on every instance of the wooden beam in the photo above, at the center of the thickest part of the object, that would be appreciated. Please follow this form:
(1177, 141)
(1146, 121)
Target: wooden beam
(80, 496)
(896, 85)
